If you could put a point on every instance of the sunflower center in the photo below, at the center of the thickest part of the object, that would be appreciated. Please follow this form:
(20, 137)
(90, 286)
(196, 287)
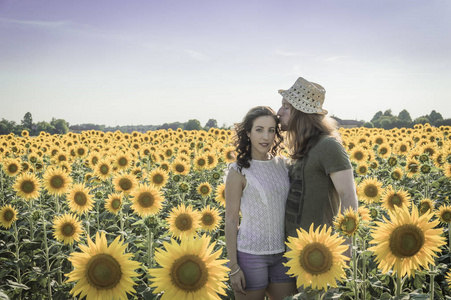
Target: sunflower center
(123, 161)
(406, 240)
(371, 190)
(104, 169)
(349, 225)
(8, 215)
(395, 200)
(116, 203)
(184, 222)
(358, 155)
(396, 175)
(146, 199)
(158, 179)
(403, 148)
(201, 162)
(125, 184)
(207, 219)
(204, 190)
(12, 168)
(80, 198)
(189, 273)
(180, 168)
(103, 271)
(57, 182)
(27, 187)
(67, 229)
(316, 258)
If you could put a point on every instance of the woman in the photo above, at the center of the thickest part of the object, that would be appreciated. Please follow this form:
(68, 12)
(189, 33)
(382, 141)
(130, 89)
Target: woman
(257, 186)
(321, 174)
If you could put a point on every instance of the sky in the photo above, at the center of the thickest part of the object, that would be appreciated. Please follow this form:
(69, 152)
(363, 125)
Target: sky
(149, 62)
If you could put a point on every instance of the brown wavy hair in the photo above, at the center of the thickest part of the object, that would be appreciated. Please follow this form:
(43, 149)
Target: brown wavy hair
(241, 140)
(304, 131)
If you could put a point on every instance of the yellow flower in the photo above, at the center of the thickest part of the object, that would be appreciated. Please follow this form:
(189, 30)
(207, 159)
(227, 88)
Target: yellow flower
(201, 162)
(158, 177)
(147, 200)
(56, 181)
(384, 150)
(392, 198)
(316, 257)
(412, 167)
(123, 161)
(125, 182)
(103, 169)
(426, 205)
(364, 214)
(79, 199)
(212, 161)
(347, 223)
(8, 215)
(101, 271)
(444, 214)
(448, 279)
(397, 174)
(370, 190)
(220, 194)
(362, 168)
(406, 242)
(183, 221)
(358, 154)
(447, 170)
(27, 186)
(180, 166)
(210, 218)
(113, 203)
(12, 166)
(204, 189)
(67, 229)
(189, 270)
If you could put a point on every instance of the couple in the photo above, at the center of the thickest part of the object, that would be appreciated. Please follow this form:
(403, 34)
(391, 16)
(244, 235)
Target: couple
(275, 197)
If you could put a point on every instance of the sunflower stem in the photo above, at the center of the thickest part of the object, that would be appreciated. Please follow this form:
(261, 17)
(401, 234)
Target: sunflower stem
(16, 242)
(431, 283)
(354, 266)
(449, 237)
(364, 269)
(398, 284)
(149, 247)
(30, 206)
(47, 262)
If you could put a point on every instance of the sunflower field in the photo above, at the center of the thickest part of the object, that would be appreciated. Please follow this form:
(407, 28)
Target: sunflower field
(114, 215)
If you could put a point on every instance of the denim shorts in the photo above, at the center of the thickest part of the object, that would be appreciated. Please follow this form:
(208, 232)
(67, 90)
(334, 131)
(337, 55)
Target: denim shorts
(260, 270)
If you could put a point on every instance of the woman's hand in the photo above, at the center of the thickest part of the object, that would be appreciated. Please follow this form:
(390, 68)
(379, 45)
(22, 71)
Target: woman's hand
(238, 282)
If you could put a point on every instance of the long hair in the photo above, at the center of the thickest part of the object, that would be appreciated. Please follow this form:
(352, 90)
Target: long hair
(241, 140)
(304, 131)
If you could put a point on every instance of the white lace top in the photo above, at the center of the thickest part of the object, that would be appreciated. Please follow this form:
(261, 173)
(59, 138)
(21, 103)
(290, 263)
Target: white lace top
(262, 207)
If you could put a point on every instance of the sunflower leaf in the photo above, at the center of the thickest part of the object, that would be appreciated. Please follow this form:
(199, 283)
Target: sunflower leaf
(17, 285)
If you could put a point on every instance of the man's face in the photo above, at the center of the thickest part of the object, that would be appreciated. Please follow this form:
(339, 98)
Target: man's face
(284, 114)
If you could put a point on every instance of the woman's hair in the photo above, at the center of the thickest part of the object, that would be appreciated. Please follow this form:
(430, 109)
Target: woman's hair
(241, 140)
(304, 131)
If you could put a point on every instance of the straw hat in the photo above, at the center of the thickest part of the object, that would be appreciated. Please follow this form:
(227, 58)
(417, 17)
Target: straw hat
(306, 96)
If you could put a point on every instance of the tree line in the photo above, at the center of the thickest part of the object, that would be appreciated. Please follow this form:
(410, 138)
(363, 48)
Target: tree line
(381, 119)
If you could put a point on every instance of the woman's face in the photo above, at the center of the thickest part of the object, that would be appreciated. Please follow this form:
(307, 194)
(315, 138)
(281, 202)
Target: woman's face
(262, 137)
(284, 113)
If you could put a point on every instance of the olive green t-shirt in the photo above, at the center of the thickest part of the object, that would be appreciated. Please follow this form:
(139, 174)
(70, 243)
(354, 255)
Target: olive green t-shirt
(312, 197)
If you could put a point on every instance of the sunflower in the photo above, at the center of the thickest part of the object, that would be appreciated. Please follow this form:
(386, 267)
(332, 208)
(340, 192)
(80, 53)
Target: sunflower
(67, 229)
(406, 242)
(392, 161)
(201, 162)
(158, 177)
(229, 154)
(56, 181)
(447, 170)
(362, 168)
(397, 174)
(212, 160)
(189, 270)
(102, 271)
(103, 169)
(204, 189)
(147, 200)
(180, 166)
(8, 215)
(79, 199)
(184, 187)
(347, 223)
(12, 166)
(370, 190)
(210, 218)
(316, 257)
(448, 278)
(392, 198)
(402, 148)
(125, 182)
(425, 168)
(123, 161)
(220, 194)
(113, 203)
(412, 167)
(364, 214)
(358, 154)
(444, 214)
(426, 205)
(27, 186)
(183, 221)
(384, 150)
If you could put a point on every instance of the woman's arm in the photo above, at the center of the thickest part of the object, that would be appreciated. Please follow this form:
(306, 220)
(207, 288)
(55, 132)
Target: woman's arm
(235, 183)
(345, 186)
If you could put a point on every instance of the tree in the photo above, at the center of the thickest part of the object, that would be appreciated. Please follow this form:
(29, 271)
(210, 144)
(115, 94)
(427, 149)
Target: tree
(60, 126)
(212, 123)
(376, 116)
(368, 125)
(388, 113)
(193, 124)
(27, 121)
(422, 120)
(404, 115)
(44, 126)
(6, 127)
(434, 117)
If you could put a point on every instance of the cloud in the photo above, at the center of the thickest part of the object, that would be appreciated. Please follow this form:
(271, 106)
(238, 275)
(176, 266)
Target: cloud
(290, 53)
(35, 23)
(197, 55)
(337, 58)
